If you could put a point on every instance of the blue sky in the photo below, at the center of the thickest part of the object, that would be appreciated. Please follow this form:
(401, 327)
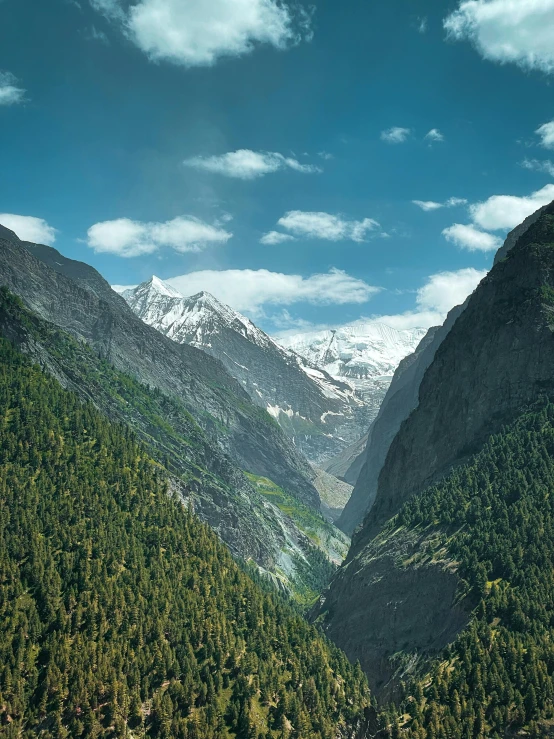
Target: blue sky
(176, 137)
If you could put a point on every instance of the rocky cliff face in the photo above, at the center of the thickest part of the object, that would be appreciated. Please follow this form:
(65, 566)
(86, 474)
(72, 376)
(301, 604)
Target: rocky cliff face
(320, 414)
(393, 604)
(496, 358)
(400, 400)
(402, 397)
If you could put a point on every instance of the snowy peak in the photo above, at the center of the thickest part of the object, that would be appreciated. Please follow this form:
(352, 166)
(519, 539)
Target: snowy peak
(152, 288)
(162, 288)
(321, 414)
(361, 351)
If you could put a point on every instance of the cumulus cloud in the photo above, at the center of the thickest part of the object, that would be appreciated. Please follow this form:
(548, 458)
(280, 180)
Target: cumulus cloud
(444, 290)
(29, 228)
(319, 225)
(544, 165)
(508, 211)
(245, 164)
(506, 31)
(199, 32)
(275, 237)
(546, 132)
(434, 136)
(10, 91)
(430, 205)
(471, 238)
(128, 238)
(440, 293)
(250, 290)
(395, 135)
(427, 205)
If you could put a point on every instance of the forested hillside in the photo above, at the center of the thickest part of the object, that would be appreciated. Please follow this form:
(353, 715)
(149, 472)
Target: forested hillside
(121, 615)
(493, 520)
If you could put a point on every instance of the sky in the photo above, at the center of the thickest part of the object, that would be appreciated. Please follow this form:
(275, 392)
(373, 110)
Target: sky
(309, 163)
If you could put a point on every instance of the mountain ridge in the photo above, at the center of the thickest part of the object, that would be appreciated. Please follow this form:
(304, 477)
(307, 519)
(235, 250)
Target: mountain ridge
(320, 414)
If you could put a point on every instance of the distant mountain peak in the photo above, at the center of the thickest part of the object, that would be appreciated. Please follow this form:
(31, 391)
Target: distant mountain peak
(161, 287)
(322, 415)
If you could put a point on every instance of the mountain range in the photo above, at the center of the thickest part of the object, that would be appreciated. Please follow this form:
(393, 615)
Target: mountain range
(322, 411)
(363, 354)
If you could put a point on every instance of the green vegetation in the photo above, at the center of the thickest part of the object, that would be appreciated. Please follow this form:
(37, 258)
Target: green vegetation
(494, 517)
(120, 613)
(319, 570)
(309, 521)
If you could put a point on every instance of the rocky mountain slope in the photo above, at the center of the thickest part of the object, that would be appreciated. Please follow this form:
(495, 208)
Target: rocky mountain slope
(400, 400)
(410, 583)
(182, 402)
(363, 469)
(320, 414)
(364, 354)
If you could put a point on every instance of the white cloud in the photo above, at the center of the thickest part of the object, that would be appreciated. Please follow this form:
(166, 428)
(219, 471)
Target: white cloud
(508, 211)
(10, 92)
(325, 155)
(250, 290)
(245, 164)
(128, 238)
(434, 135)
(430, 205)
(423, 25)
(440, 293)
(395, 135)
(29, 228)
(444, 290)
(319, 225)
(545, 165)
(471, 238)
(546, 132)
(199, 32)
(274, 237)
(516, 31)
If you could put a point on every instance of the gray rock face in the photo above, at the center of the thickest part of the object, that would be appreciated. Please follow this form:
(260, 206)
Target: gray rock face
(497, 358)
(513, 236)
(75, 297)
(320, 414)
(348, 464)
(378, 608)
(400, 401)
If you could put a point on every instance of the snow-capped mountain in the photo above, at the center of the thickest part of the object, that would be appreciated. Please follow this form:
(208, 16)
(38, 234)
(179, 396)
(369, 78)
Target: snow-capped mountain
(364, 354)
(321, 414)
